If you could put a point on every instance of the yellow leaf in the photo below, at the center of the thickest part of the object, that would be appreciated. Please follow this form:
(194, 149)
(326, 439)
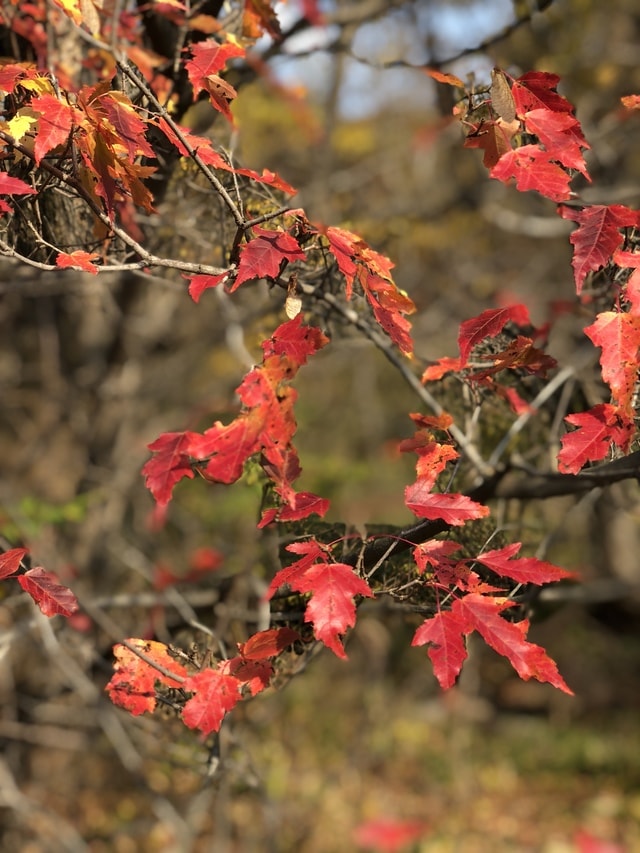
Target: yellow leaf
(71, 8)
(24, 121)
(38, 85)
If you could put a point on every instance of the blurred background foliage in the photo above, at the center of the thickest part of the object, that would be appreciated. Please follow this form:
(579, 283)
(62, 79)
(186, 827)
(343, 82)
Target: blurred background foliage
(91, 371)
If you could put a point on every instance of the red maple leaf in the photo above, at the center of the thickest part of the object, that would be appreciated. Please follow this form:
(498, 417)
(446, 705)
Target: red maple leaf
(562, 137)
(209, 57)
(344, 247)
(78, 260)
(598, 428)
(132, 686)
(533, 169)
(295, 340)
(228, 447)
(215, 694)
(444, 633)
(524, 569)
(268, 644)
(130, 128)
(269, 178)
(52, 598)
(475, 612)
(486, 325)
(333, 586)
(433, 457)
(537, 89)
(254, 675)
(56, 123)
(199, 283)
(618, 335)
(390, 306)
(519, 355)
(482, 614)
(385, 835)
(454, 509)
(598, 235)
(263, 256)
(331, 609)
(12, 186)
(10, 561)
(435, 553)
(441, 368)
(170, 463)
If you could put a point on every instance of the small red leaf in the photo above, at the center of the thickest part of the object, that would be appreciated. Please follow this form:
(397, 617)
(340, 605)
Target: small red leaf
(78, 260)
(454, 509)
(52, 598)
(441, 77)
(169, 464)
(268, 644)
(388, 836)
(10, 561)
(199, 283)
(597, 236)
(488, 324)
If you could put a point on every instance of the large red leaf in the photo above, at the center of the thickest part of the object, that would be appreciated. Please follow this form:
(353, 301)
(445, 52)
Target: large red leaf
(483, 614)
(55, 124)
(130, 128)
(524, 569)
(537, 89)
(169, 464)
(263, 256)
(52, 598)
(533, 169)
(331, 609)
(215, 694)
(444, 633)
(619, 337)
(597, 236)
(561, 135)
(333, 587)
(454, 509)
(209, 57)
(598, 428)
(295, 340)
(14, 186)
